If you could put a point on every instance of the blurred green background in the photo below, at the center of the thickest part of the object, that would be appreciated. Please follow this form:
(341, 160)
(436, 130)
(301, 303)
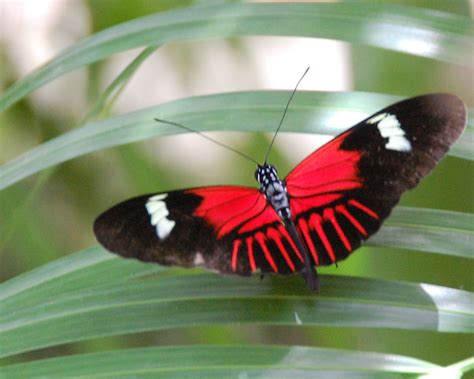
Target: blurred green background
(49, 215)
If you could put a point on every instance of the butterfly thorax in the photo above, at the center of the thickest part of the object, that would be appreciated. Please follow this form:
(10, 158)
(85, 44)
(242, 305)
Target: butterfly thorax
(273, 189)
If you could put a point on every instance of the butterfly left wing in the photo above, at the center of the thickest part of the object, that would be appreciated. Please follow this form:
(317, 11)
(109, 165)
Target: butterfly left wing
(340, 194)
(228, 229)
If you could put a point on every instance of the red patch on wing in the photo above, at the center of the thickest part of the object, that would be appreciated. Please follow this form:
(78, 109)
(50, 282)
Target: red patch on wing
(253, 266)
(226, 208)
(316, 223)
(300, 205)
(329, 215)
(260, 237)
(235, 252)
(328, 170)
(276, 237)
(343, 210)
(364, 208)
(303, 225)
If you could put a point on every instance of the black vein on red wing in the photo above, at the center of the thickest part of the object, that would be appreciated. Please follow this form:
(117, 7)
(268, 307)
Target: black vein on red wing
(339, 249)
(286, 237)
(369, 223)
(241, 213)
(261, 261)
(330, 216)
(225, 202)
(327, 183)
(305, 231)
(323, 256)
(251, 253)
(316, 169)
(354, 221)
(349, 230)
(235, 254)
(276, 240)
(267, 254)
(322, 248)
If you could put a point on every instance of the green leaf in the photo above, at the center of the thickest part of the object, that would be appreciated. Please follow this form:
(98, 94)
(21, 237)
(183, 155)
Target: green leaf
(89, 295)
(412, 30)
(428, 230)
(106, 100)
(311, 112)
(201, 361)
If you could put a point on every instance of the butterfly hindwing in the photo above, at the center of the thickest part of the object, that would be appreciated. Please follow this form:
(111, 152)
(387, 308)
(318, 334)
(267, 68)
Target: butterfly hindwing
(228, 229)
(153, 228)
(342, 192)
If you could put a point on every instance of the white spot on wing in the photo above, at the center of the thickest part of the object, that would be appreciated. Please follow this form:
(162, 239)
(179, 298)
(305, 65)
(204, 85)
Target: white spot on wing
(153, 206)
(376, 118)
(164, 228)
(389, 127)
(198, 259)
(398, 143)
(158, 212)
(160, 196)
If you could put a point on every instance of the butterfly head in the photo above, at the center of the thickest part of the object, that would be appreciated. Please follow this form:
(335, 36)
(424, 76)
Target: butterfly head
(266, 174)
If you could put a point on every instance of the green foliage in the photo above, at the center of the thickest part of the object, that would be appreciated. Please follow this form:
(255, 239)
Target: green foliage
(89, 296)
(226, 362)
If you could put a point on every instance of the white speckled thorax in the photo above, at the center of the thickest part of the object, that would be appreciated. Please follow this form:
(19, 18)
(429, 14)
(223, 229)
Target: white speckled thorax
(274, 189)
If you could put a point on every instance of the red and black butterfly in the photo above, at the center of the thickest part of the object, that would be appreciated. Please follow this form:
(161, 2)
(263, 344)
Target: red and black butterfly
(335, 198)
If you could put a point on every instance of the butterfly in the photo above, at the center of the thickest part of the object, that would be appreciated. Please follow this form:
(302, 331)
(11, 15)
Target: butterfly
(317, 215)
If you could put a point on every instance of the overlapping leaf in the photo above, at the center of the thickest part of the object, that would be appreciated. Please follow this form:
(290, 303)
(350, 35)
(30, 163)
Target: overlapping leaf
(316, 112)
(418, 31)
(224, 362)
(94, 294)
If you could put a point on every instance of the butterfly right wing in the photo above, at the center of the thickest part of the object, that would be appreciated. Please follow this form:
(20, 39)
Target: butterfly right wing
(340, 194)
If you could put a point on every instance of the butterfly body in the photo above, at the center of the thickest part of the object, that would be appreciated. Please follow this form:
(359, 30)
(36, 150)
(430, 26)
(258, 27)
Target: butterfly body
(276, 194)
(274, 190)
(317, 215)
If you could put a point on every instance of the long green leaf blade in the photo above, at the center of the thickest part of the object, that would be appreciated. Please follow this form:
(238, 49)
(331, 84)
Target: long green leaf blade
(428, 230)
(311, 112)
(201, 361)
(111, 93)
(418, 31)
(174, 298)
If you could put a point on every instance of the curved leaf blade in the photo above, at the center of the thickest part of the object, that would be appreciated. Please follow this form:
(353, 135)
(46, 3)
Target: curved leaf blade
(411, 30)
(171, 299)
(428, 230)
(111, 93)
(311, 112)
(207, 361)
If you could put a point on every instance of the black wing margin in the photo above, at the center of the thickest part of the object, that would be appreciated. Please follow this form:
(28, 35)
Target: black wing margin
(376, 161)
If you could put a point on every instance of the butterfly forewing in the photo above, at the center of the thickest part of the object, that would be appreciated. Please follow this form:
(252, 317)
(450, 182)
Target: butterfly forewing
(228, 229)
(342, 192)
(339, 196)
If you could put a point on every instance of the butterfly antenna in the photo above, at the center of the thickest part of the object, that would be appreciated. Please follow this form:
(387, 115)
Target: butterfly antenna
(284, 114)
(206, 137)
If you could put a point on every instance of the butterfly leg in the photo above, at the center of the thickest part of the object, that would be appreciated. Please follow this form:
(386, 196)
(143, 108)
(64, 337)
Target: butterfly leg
(309, 273)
